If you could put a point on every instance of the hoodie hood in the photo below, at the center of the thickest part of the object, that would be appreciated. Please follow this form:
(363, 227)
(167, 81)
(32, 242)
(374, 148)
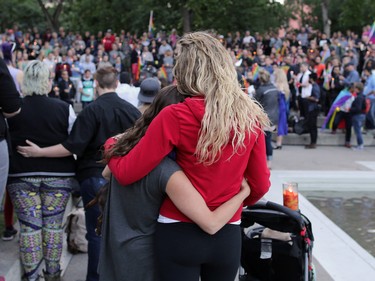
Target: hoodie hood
(197, 107)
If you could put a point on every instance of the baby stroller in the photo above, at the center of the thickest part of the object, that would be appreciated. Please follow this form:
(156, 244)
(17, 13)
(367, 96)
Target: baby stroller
(277, 244)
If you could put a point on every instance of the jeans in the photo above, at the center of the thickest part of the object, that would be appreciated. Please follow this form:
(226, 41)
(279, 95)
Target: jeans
(357, 122)
(269, 148)
(89, 189)
(4, 166)
(370, 117)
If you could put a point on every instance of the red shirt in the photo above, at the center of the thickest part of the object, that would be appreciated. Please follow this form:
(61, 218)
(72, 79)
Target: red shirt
(107, 42)
(177, 126)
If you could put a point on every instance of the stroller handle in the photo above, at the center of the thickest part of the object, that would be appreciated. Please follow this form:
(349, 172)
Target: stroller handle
(296, 215)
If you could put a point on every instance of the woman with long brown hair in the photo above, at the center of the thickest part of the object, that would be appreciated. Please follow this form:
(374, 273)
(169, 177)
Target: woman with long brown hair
(131, 212)
(217, 133)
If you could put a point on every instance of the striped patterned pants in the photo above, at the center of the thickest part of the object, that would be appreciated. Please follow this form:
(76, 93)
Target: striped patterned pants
(40, 205)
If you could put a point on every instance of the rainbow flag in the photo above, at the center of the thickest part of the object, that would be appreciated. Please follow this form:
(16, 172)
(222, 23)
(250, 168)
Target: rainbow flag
(255, 71)
(245, 84)
(285, 68)
(151, 26)
(335, 107)
(327, 78)
(162, 72)
(139, 67)
(239, 55)
(371, 35)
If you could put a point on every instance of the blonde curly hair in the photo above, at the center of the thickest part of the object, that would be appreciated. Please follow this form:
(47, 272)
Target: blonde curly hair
(204, 68)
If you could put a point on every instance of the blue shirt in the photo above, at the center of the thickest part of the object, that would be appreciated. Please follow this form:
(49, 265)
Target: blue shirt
(370, 86)
(352, 77)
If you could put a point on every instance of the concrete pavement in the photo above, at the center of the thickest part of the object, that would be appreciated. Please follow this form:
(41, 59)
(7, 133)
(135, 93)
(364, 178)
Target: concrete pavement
(309, 167)
(341, 169)
(337, 256)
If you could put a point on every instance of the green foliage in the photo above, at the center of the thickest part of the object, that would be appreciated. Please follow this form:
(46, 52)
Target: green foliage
(344, 14)
(133, 15)
(23, 13)
(356, 14)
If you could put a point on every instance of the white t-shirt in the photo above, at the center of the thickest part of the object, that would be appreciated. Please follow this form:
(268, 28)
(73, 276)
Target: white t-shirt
(248, 39)
(128, 93)
(306, 90)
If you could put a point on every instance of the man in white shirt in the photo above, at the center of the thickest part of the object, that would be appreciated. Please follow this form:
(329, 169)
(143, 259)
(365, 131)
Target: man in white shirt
(248, 38)
(126, 91)
(303, 85)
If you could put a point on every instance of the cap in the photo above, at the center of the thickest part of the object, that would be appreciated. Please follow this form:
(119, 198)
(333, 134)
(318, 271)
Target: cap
(149, 88)
(349, 64)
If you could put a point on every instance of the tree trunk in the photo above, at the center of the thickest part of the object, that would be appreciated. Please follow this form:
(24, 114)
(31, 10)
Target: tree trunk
(186, 19)
(53, 20)
(326, 20)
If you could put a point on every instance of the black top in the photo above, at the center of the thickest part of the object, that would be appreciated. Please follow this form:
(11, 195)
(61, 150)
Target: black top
(44, 121)
(107, 116)
(66, 85)
(358, 105)
(10, 100)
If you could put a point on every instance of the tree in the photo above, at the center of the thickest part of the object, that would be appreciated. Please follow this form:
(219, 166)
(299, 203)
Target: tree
(342, 14)
(133, 15)
(325, 18)
(22, 13)
(52, 18)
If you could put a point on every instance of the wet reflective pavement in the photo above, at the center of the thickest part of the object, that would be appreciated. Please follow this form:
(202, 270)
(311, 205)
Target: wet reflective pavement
(353, 212)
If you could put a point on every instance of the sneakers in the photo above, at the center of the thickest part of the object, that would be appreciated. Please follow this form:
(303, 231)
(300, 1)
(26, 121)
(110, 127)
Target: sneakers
(358, 148)
(9, 234)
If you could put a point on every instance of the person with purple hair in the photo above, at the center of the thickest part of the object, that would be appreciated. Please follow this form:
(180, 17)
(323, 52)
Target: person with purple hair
(17, 75)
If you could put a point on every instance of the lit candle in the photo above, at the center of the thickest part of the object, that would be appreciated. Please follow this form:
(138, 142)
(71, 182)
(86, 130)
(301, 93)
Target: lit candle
(290, 196)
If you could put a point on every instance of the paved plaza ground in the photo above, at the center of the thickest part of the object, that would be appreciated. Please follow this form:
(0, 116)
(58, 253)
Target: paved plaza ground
(327, 167)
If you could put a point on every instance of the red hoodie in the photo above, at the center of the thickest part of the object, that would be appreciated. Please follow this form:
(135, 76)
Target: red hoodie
(177, 126)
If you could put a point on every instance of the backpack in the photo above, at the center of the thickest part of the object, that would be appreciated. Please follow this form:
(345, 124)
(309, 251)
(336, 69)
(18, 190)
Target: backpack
(366, 105)
(76, 232)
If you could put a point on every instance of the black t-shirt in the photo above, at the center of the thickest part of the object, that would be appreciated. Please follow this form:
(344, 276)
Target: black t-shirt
(107, 116)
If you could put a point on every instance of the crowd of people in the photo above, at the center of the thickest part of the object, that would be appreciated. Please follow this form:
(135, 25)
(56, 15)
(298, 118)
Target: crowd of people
(198, 99)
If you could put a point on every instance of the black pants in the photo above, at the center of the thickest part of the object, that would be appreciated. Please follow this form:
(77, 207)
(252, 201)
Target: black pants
(301, 107)
(269, 148)
(348, 123)
(293, 98)
(184, 252)
(323, 101)
(311, 121)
